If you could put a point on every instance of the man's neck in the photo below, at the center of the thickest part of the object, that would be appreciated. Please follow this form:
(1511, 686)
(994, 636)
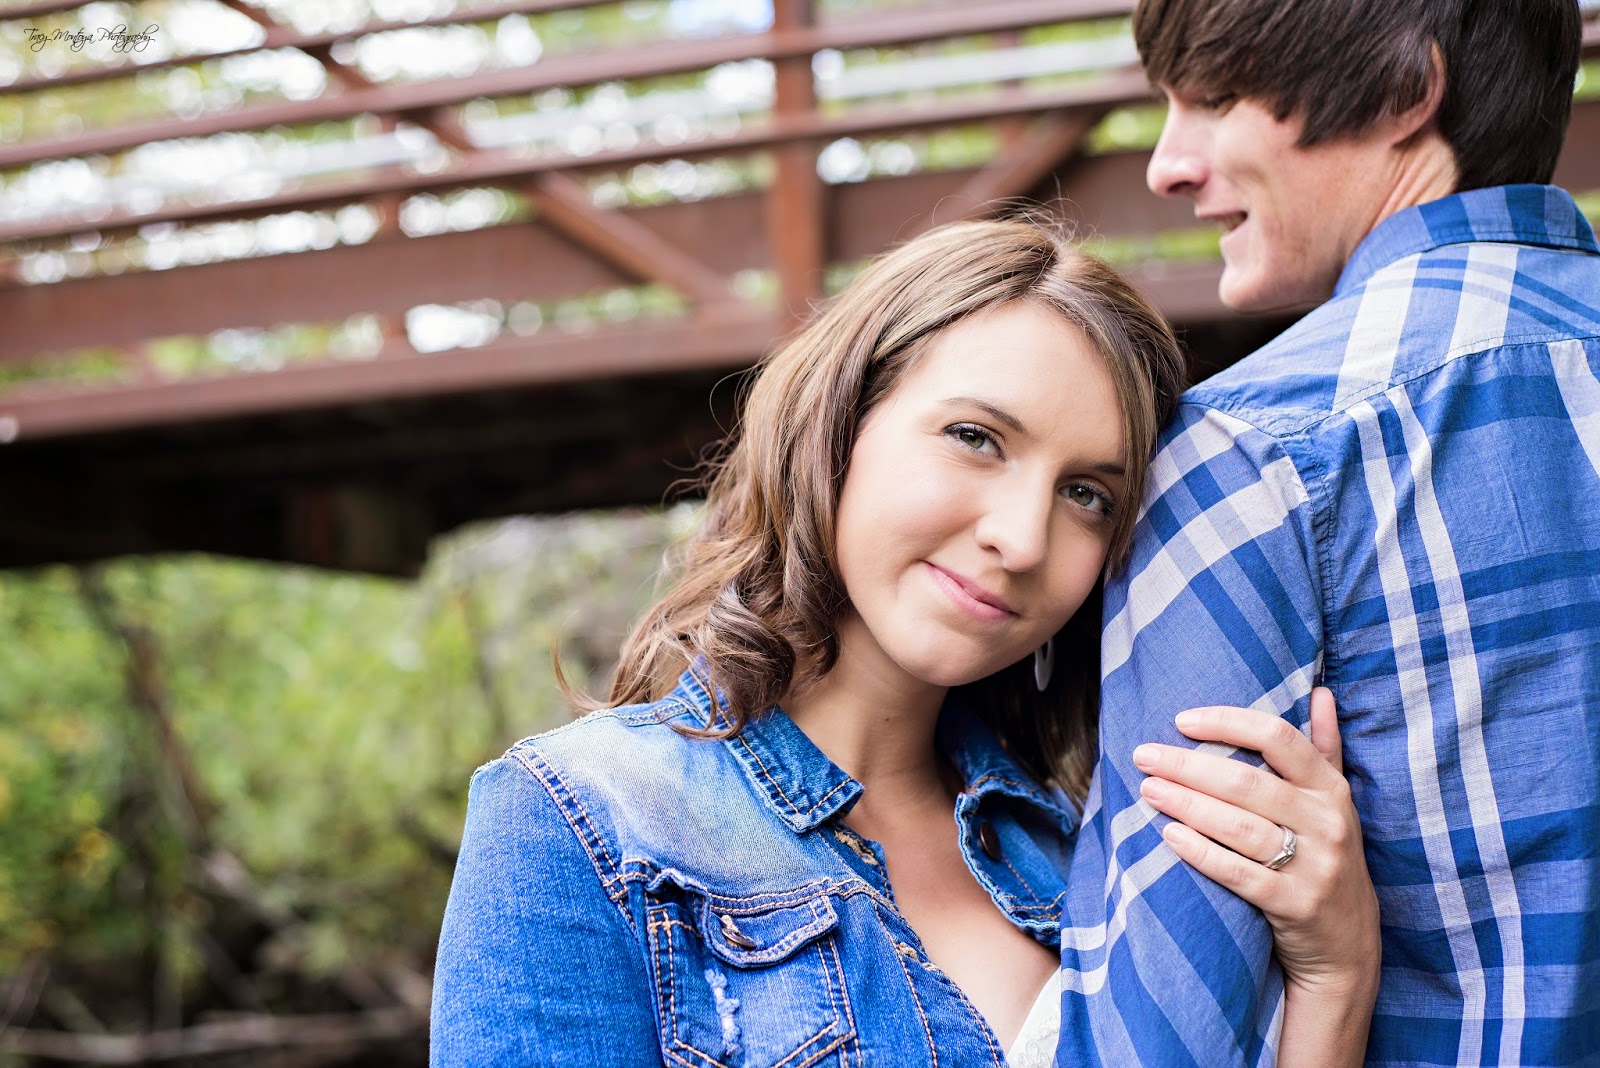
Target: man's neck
(1425, 171)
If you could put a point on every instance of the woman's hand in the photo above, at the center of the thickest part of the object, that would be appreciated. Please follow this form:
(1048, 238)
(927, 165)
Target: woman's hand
(1230, 822)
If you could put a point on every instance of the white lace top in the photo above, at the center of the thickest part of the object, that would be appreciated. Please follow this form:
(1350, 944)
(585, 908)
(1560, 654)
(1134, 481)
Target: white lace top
(1035, 1046)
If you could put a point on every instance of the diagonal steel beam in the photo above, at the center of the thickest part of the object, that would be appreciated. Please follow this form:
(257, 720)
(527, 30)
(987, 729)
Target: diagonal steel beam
(1026, 165)
(563, 203)
(675, 57)
(626, 244)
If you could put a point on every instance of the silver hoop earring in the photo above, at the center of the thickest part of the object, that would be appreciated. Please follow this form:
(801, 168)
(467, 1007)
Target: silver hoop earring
(1044, 662)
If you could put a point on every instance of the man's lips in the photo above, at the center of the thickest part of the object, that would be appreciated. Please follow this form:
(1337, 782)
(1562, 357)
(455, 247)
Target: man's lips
(970, 595)
(1228, 220)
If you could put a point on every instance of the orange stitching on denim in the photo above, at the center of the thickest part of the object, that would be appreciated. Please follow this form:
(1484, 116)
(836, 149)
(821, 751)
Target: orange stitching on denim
(593, 842)
(844, 996)
(829, 977)
(997, 1055)
(833, 977)
(980, 780)
(1053, 903)
(830, 793)
(833, 1025)
(1030, 788)
(815, 1055)
(911, 987)
(753, 755)
(764, 902)
(662, 957)
(644, 715)
(600, 862)
(1025, 884)
(669, 972)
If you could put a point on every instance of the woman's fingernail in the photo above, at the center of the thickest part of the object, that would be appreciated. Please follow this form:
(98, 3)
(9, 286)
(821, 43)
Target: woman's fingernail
(1145, 756)
(1186, 719)
(1153, 789)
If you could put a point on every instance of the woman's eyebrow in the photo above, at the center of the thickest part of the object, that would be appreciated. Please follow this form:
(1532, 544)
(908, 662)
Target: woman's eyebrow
(998, 414)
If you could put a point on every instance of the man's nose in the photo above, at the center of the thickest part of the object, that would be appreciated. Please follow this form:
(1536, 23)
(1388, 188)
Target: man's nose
(1178, 165)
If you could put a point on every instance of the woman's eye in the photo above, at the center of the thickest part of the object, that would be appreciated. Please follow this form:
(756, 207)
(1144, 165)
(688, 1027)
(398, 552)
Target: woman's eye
(974, 438)
(1086, 496)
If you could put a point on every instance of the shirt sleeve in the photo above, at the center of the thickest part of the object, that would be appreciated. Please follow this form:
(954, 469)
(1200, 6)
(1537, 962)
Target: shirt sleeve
(1220, 603)
(537, 965)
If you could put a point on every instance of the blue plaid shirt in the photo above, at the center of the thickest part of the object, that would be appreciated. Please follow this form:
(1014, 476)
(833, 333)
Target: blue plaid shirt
(1402, 495)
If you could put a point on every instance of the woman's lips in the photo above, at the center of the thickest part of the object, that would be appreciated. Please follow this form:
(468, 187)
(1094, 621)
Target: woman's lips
(970, 597)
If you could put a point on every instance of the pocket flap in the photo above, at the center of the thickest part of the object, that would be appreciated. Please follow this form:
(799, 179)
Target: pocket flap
(750, 938)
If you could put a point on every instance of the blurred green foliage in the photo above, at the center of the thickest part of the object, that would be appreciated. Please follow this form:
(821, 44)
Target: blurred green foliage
(1588, 80)
(332, 721)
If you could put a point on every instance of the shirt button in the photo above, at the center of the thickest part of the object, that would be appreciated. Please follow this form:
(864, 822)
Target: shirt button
(989, 839)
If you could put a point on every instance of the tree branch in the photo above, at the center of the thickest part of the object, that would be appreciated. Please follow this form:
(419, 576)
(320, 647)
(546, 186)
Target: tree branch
(24, 989)
(147, 692)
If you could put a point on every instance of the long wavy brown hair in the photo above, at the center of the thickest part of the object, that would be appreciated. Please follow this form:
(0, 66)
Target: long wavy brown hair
(756, 608)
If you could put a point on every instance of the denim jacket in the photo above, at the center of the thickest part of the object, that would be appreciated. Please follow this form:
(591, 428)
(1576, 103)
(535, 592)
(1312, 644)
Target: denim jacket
(627, 896)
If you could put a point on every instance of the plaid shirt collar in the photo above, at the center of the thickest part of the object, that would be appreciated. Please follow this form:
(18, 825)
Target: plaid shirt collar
(1540, 215)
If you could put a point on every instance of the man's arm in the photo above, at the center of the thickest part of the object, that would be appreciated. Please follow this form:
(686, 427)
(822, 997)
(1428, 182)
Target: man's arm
(1220, 603)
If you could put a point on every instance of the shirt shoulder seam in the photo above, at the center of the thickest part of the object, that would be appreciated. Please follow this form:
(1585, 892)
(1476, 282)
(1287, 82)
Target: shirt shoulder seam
(566, 800)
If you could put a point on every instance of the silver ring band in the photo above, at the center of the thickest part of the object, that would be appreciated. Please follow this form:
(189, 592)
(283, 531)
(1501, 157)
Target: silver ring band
(1286, 854)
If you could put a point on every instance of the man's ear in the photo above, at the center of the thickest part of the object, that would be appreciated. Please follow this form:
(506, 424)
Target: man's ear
(1406, 124)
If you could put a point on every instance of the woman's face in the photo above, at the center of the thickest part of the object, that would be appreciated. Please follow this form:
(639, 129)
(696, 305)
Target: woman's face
(976, 511)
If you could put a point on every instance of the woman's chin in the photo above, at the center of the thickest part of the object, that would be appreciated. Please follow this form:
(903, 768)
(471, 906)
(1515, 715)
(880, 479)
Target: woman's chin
(949, 672)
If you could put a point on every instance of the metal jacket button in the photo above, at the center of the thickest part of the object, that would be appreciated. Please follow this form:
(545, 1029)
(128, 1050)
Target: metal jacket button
(989, 839)
(731, 932)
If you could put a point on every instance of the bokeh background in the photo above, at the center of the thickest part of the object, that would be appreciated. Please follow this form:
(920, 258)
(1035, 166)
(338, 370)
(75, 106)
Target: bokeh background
(349, 354)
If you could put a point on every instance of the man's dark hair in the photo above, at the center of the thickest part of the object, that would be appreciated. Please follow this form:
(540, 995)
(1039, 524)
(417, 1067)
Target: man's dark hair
(1341, 65)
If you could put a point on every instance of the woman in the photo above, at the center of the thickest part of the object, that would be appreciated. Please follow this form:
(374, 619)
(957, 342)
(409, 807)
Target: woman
(886, 631)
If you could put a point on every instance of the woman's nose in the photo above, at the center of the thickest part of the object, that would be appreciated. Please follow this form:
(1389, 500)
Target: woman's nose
(1016, 525)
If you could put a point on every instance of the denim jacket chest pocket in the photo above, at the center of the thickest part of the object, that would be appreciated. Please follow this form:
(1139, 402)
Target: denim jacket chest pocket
(750, 981)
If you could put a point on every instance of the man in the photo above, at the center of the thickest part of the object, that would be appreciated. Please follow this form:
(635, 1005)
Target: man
(1401, 496)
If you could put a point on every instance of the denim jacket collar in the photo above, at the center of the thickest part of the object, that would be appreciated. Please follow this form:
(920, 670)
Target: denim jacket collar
(805, 789)
(987, 768)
